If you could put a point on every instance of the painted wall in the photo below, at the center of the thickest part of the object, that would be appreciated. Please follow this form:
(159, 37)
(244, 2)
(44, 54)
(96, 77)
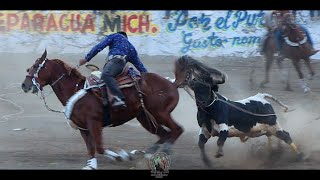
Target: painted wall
(204, 33)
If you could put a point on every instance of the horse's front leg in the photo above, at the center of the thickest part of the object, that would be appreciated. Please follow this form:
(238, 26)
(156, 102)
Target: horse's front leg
(96, 128)
(92, 162)
(223, 134)
(302, 82)
(310, 67)
(269, 61)
(281, 70)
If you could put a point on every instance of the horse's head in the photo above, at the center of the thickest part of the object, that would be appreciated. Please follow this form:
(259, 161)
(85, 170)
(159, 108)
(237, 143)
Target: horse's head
(186, 67)
(38, 75)
(44, 72)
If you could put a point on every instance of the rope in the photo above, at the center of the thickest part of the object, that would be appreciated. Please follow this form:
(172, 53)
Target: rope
(232, 105)
(21, 110)
(245, 111)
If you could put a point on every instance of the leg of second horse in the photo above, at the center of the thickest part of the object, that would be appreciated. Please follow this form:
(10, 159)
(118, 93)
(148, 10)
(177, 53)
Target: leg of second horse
(269, 61)
(302, 82)
(310, 67)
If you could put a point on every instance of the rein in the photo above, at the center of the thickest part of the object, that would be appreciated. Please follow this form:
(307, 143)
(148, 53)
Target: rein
(43, 97)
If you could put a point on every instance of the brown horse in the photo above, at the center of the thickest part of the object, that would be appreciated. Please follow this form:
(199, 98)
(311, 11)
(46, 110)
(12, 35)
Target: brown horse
(269, 49)
(150, 99)
(295, 47)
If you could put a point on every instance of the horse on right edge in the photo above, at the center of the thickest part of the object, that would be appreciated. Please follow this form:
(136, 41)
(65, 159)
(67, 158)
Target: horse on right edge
(295, 47)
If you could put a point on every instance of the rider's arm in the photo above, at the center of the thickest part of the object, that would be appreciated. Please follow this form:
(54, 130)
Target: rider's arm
(99, 47)
(135, 60)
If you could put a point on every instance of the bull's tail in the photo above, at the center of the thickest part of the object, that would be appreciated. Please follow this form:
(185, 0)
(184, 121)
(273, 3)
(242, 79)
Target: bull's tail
(277, 100)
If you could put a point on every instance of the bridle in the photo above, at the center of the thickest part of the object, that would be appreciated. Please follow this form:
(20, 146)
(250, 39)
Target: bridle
(38, 86)
(35, 83)
(186, 80)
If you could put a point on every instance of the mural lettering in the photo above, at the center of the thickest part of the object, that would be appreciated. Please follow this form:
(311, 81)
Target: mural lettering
(194, 22)
(211, 27)
(211, 41)
(134, 23)
(236, 18)
(45, 23)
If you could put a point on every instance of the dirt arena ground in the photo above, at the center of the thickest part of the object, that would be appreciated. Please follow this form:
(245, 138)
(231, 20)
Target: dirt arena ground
(47, 142)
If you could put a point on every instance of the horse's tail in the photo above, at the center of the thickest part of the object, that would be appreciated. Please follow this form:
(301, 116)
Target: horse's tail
(277, 100)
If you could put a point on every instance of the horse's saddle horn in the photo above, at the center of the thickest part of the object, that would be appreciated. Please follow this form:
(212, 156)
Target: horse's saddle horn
(92, 67)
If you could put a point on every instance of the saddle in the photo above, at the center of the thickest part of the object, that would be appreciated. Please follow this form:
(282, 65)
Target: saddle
(127, 78)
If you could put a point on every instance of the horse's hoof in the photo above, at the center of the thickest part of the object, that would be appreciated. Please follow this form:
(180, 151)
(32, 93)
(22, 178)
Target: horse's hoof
(124, 155)
(91, 164)
(148, 156)
(88, 168)
(306, 90)
(112, 155)
(137, 152)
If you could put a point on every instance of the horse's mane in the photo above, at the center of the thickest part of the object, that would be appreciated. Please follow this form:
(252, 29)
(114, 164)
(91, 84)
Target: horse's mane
(69, 69)
(189, 62)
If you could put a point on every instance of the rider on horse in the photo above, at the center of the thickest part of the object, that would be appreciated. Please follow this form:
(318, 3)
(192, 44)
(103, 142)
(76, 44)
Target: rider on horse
(273, 21)
(120, 52)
